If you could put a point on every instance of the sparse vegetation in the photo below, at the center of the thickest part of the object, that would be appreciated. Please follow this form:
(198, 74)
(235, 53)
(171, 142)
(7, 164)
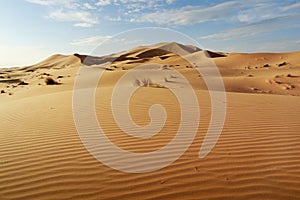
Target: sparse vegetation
(146, 82)
(164, 57)
(46, 74)
(23, 83)
(282, 64)
(165, 67)
(50, 81)
(291, 76)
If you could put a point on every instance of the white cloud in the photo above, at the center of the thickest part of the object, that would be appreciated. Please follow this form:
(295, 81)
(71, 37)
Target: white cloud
(294, 25)
(108, 40)
(284, 45)
(133, 1)
(114, 19)
(84, 25)
(71, 4)
(258, 13)
(190, 14)
(44, 2)
(124, 41)
(254, 29)
(90, 41)
(229, 11)
(134, 6)
(69, 11)
(292, 7)
(157, 11)
(82, 18)
(238, 33)
(103, 2)
(170, 1)
(88, 6)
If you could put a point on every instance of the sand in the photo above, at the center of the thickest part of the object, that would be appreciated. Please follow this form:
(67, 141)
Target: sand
(256, 157)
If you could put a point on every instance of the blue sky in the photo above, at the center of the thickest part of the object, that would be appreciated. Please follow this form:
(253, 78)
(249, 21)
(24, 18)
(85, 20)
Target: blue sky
(32, 30)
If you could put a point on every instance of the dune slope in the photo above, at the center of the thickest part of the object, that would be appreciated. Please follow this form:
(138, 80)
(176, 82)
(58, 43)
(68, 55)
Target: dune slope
(256, 157)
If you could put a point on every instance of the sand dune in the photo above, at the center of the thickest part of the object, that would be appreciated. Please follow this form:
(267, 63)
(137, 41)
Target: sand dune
(56, 62)
(256, 157)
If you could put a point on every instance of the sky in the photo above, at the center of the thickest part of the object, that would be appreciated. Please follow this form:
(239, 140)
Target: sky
(32, 30)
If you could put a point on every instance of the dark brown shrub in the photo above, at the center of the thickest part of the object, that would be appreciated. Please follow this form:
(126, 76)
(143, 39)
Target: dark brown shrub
(50, 81)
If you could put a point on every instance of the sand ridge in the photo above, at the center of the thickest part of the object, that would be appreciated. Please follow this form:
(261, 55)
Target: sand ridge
(256, 157)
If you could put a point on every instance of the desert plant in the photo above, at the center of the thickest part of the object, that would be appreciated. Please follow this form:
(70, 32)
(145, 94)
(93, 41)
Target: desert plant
(50, 81)
(146, 82)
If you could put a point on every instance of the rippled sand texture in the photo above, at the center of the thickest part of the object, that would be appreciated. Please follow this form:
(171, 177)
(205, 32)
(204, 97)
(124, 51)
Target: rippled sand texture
(257, 155)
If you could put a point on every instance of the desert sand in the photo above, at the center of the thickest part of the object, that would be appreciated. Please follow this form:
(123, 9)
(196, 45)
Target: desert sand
(257, 155)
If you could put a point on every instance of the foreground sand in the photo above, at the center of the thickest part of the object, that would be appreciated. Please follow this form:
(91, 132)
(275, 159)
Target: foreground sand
(256, 157)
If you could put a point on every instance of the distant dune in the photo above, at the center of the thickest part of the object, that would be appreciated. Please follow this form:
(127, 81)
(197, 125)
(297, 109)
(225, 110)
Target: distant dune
(256, 157)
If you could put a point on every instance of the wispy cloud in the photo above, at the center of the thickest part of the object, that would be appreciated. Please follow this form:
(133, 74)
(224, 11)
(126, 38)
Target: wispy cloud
(292, 7)
(259, 12)
(69, 11)
(89, 6)
(65, 3)
(277, 46)
(228, 11)
(189, 15)
(255, 29)
(96, 40)
(90, 41)
(241, 32)
(103, 2)
(81, 18)
(159, 12)
(170, 1)
(84, 14)
(84, 25)
(46, 2)
(128, 7)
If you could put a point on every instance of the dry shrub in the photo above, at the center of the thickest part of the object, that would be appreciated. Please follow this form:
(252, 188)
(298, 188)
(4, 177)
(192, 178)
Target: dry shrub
(50, 81)
(146, 82)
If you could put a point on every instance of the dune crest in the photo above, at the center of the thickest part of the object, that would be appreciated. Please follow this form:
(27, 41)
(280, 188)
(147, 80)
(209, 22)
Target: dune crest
(256, 157)
(241, 72)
